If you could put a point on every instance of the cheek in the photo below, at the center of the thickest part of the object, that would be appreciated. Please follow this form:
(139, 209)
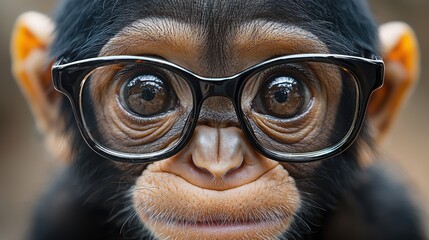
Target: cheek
(171, 207)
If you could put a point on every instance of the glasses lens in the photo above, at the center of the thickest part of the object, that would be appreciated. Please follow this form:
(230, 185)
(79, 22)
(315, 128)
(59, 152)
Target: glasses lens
(135, 109)
(300, 108)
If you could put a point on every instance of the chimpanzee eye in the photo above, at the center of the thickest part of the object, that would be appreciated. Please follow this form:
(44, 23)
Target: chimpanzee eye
(282, 96)
(147, 95)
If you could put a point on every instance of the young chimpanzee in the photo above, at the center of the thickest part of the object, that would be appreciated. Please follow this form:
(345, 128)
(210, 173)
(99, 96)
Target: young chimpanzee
(211, 119)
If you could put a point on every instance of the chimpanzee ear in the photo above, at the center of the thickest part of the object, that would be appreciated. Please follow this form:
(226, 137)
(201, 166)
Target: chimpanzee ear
(31, 38)
(31, 66)
(400, 52)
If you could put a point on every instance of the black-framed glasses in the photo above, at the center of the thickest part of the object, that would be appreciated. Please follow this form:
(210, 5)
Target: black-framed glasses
(294, 108)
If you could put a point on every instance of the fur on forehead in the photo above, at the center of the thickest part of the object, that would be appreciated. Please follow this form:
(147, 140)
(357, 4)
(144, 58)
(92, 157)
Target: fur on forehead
(84, 27)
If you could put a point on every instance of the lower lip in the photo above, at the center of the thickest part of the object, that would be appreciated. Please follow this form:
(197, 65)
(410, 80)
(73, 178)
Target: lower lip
(220, 228)
(228, 228)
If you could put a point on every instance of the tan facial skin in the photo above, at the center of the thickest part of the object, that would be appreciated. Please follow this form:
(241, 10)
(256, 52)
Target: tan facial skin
(218, 186)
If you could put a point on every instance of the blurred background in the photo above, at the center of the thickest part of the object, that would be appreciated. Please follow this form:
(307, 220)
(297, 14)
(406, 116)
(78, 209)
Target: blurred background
(26, 168)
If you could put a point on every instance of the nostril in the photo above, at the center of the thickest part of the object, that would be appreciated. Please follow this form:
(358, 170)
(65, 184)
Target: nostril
(233, 171)
(201, 170)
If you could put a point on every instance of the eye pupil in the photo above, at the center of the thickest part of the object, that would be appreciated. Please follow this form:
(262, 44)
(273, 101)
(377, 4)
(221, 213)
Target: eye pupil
(148, 93)
(281, 96)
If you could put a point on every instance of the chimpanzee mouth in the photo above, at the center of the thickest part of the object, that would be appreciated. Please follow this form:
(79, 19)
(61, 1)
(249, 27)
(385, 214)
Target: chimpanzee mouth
(176, 209)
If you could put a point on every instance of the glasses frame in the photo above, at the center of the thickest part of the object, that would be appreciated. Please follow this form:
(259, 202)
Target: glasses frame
(68, 78)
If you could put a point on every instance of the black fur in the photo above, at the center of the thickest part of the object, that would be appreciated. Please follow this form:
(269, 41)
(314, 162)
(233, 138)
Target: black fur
(83, 27)
(90, 200)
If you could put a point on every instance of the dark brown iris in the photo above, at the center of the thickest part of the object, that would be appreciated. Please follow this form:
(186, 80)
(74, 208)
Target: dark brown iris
(282, 97)
(148, 95)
